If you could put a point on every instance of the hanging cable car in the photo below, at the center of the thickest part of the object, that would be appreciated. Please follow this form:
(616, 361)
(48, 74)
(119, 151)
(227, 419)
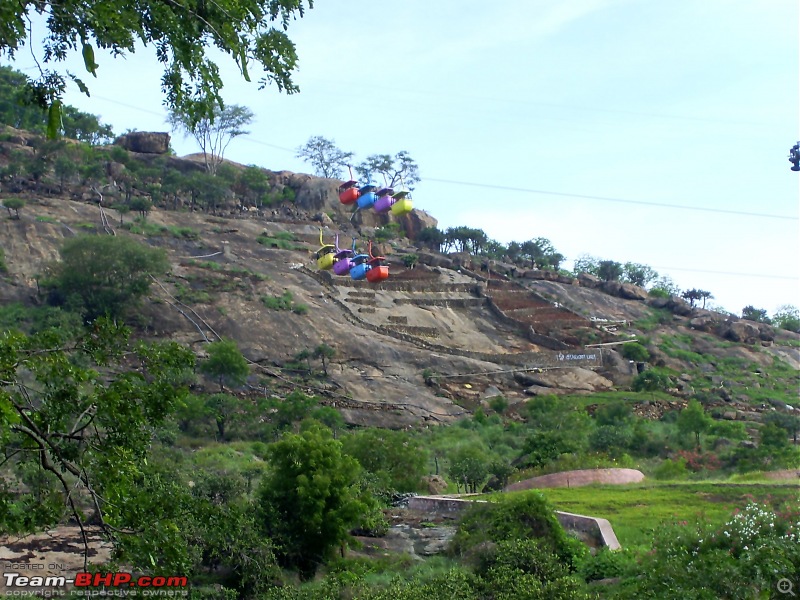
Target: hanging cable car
(348, 191)
(377, 271)
(343, 258)
(402, 204)
(367, 196)
(359, 266)
(325, 254)
(384, 201)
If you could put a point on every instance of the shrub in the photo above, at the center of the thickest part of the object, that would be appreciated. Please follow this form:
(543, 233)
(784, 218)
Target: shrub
(636, 352)
(606, 564)
(519, 517)
(671, 469)
(744, 557)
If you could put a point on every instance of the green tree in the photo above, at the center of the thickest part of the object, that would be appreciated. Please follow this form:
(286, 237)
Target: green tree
(251, 32)
(223, 408)
(652, 380)
(17, 110)
(393, 169)
(664, 287)
(213, 132)
(787, 317)
(469, 466)
(251, 186)
(13, 204)
(609, 270)
(392, 456)
(638, 274)
(326, 158)
(141, 205)
(788, 422)
(694, 295)
(751, 313)
(635, 351)
(693, 419)
(324, 353)
(91, 434)
(431, 237)
(106, 274)
(309, 500)
(225, 363)
(586, 264)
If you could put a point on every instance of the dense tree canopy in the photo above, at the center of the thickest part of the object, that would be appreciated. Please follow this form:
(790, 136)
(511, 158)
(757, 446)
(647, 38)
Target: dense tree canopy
(250, 32)
(16, 111)
(309, 499)
(87, 434)
(104, 274)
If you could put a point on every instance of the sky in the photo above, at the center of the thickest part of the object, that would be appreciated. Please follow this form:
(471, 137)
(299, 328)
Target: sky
(630, 130)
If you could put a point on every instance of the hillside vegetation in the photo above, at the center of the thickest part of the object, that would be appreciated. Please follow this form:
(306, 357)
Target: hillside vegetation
(177, 373)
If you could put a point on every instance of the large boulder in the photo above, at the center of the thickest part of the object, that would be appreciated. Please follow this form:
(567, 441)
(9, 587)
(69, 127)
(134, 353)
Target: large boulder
(632, 292)
(588, 280)
(144, 142)
(573, 378)
(742, 331)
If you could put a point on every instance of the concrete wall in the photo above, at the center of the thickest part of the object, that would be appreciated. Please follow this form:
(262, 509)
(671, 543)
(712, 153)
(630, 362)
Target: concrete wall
(595, 531)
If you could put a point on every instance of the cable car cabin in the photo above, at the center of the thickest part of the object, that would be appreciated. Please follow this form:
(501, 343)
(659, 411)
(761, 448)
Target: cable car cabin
(343, 261)
(359, 267)
(377, 272)
(384, 201)
(325, 257)
(402, 204)
(367, 196)
(348, 192)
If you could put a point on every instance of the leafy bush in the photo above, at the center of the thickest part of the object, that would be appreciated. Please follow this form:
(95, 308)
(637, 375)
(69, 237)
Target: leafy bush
(518, 517)
(104, 274)
(671, 470)
(606, 564)
(3, 266)
(743, 558)
(636, 352)
(284, 302)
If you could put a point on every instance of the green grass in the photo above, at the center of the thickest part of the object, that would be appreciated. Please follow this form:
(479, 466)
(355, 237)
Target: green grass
(284, 302)
(45, 219)
(635, 510)
(143, 227)
(87, 226)
(657, 316)
(283, 240)
(616, 396)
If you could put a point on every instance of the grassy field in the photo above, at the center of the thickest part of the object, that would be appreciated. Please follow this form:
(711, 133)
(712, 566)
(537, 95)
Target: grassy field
(635, 510)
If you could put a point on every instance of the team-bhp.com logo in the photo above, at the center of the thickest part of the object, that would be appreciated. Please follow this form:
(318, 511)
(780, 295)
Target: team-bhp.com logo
(97, 584)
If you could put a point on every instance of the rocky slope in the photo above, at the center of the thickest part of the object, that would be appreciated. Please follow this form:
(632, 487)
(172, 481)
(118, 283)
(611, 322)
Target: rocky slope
(430, 344)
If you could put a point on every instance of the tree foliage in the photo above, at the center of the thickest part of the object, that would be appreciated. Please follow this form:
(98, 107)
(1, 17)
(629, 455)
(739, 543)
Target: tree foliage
(751, 313)
(104, 274)
(394, 169)
(88, 434)
(392, 456)
(251, 33)
(17, 111)
(226, 363)
(326, 158)
(787, 317)
(213, 132)
(693, 419)
(309, 500)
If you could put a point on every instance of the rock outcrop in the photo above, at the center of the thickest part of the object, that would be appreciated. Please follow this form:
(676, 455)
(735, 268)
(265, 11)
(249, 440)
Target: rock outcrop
(144, 142)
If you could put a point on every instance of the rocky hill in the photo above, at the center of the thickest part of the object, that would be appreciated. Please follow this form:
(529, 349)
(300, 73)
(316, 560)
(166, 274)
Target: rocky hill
(430, 344)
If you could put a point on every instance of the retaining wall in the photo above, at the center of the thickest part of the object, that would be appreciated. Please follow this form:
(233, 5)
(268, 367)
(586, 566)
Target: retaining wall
(595, 531)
